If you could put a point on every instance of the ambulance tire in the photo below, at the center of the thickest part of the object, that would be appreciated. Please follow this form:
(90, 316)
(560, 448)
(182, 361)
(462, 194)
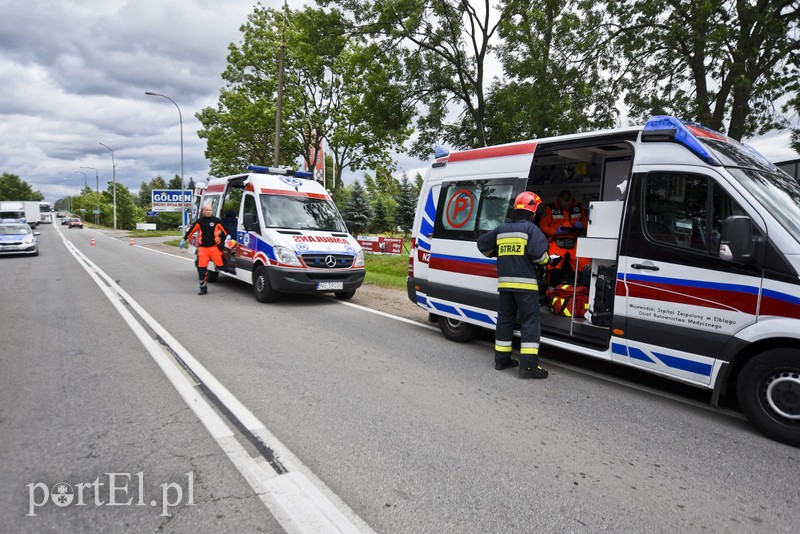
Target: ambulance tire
(345, 295)
(768, 390)
(457, 331)
(261, 288)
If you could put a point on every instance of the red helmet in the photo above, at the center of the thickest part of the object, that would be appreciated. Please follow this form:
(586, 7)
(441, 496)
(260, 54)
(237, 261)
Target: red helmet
(527, 200)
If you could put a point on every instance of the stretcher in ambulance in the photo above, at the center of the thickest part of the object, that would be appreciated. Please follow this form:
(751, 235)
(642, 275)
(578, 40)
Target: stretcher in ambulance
(287, 235)
(693, 245)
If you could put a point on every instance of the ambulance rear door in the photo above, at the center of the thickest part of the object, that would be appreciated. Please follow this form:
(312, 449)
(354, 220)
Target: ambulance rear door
(677, 302)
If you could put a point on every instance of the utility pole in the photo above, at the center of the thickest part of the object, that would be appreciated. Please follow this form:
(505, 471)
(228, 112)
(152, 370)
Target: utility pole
(279, 109)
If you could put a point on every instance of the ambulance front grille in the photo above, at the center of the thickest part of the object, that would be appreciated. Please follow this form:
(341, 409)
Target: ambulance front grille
(328, 261)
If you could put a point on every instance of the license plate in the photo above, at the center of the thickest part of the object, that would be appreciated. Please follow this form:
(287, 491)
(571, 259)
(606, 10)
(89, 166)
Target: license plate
(327, 286)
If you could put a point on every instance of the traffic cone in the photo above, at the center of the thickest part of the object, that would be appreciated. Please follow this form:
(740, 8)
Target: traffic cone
(92, 242)
(131, 241)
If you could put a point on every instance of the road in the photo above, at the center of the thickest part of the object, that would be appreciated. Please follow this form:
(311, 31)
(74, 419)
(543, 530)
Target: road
(218, 413)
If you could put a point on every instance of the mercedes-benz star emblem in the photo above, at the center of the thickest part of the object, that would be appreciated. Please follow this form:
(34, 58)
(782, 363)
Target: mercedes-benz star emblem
(330, 261)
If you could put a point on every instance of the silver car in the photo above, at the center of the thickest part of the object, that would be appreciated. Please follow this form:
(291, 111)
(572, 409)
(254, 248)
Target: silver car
(18, 238)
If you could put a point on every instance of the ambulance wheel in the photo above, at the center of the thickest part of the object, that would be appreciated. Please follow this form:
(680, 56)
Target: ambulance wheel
(769, 394)
(212, 276)
(261, 288)
(345, 295)
(457, 331)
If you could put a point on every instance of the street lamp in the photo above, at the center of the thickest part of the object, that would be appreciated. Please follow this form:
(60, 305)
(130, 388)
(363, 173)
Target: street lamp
(114, 181)
(97, 190)
(183, 182)
(84, 178)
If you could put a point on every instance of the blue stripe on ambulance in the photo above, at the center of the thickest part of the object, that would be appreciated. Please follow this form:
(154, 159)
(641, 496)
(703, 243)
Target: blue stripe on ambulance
(661, 360)
(459, 312)
(778, 295)
(737, 288)
(426, 225)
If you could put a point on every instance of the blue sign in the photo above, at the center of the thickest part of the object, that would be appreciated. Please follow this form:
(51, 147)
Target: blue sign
(152, 213)
(170, 199)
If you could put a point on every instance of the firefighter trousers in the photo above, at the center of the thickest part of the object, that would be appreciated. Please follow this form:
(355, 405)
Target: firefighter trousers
(526, 303)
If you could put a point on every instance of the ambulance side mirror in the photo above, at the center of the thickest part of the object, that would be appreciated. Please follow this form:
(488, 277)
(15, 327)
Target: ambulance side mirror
(737, 242)
(249, 222)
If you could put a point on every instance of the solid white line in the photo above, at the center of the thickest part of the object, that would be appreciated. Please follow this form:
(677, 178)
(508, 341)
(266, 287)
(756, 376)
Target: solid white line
(301, 503)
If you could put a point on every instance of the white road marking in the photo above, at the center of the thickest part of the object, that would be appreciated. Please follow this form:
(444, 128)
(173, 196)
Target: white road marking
(297, 499)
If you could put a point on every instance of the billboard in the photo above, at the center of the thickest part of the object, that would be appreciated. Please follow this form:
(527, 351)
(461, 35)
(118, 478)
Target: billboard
(170, 199)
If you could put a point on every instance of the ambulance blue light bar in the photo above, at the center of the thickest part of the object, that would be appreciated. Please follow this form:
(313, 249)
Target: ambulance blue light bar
(277, 170)
(665, 128)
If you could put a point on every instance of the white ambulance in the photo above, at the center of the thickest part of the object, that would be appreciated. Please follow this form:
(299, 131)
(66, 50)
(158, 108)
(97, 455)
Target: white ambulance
(289, 236)
(700, 233)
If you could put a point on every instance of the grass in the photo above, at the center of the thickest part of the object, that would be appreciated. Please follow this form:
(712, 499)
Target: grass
(385, 270)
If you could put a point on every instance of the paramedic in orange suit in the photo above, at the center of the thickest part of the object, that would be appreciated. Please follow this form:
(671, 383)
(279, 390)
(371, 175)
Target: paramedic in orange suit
(209, 227)
(565, 220)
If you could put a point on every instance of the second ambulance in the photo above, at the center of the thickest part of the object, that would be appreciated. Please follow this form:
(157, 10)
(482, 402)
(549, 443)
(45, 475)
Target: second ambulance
(288, 236)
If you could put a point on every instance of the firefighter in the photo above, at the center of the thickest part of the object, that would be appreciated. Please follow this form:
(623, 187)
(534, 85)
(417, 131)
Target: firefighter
(519, 246)
(564, 220)
(208, 248)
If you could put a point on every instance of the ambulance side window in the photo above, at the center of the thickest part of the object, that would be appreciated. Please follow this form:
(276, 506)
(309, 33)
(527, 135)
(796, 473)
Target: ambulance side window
(250, 207)
(686, 210)
(470, 208)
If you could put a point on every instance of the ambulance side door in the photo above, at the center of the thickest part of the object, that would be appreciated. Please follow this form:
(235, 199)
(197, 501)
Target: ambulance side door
(678, 302)
(245, 250)
(458, 273)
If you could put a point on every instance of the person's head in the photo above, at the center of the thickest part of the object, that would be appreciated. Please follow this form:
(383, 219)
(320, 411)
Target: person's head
(207, 209)
(526, 203)
(564, 199)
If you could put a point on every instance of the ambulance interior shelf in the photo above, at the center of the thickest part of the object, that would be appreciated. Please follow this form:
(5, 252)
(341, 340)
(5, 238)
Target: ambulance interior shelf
(600, 245)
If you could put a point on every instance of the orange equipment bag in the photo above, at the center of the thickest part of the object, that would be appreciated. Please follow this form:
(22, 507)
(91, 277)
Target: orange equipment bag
(561, 300)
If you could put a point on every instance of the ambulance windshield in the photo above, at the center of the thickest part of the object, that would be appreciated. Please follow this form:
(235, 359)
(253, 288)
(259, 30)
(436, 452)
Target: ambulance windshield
(777, 192)
(301, 213)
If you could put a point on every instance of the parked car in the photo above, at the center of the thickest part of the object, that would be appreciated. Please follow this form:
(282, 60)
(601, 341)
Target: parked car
(18, 238)
(75, 222)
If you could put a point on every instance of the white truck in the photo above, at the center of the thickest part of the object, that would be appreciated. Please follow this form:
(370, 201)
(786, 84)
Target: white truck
(693, 244)
(289, 236)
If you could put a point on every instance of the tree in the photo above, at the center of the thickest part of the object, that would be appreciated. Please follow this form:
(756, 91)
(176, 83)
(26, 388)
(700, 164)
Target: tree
(175, 183)
(554, 83)
(358, 211)
(380, 217)
(446, 44)
(336, 89)
(406, 206)
(715, 62)
(14, 188)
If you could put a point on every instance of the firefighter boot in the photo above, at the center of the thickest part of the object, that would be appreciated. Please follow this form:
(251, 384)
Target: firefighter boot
(505, 364)
(529, 368)
(203, 289)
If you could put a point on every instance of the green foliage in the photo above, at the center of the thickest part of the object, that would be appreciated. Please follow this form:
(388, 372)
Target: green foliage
(14, 188)
(336, 88)
(710, 61)
(386, 270)
(380, 217)
(358, 210)
(406, 206)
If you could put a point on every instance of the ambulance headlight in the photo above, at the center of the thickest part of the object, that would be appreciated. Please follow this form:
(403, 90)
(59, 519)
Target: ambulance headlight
(359, 259)
(287, 257)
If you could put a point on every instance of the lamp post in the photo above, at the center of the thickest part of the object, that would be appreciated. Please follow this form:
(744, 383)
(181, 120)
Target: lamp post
(183, 182)
(96, 190)
(114, 181)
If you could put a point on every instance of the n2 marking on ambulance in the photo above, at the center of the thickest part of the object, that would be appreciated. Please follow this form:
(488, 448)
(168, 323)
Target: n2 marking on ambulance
(288, 236)
(692, 256)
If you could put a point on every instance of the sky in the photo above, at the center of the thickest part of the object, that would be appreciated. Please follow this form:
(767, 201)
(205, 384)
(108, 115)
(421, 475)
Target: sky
(74, 74)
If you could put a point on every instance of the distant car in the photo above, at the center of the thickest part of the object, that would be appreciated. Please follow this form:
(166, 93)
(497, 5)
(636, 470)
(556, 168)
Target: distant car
(18, 238)
(65, 220)
(75, 223)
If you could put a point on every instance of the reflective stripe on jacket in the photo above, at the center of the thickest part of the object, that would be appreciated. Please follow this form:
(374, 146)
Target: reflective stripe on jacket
(518, 247)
